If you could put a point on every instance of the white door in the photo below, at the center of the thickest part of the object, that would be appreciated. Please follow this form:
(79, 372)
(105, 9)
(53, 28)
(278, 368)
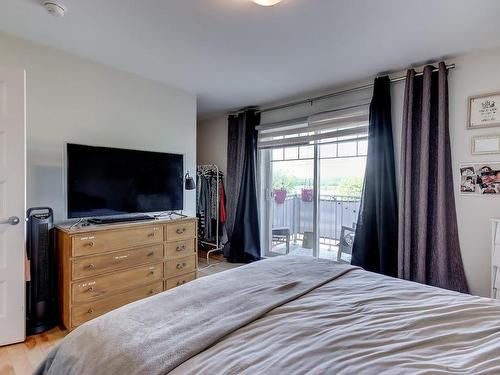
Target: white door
(12, 205)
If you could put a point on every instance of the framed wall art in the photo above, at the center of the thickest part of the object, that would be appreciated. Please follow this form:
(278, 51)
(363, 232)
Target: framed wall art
(486, 144)
(480, 178)
(483, 111)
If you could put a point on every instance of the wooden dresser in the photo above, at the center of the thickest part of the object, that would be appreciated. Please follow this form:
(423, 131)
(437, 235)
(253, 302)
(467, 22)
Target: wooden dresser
(104, 267)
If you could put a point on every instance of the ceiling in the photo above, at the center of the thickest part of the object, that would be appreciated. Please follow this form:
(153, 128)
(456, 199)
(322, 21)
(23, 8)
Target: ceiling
(233, 53)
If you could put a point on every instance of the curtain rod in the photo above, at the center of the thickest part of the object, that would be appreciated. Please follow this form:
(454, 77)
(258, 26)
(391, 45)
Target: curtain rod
(331, 95)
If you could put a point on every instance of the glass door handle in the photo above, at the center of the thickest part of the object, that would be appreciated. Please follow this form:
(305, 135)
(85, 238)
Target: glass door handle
(13, 220)
(269, 193)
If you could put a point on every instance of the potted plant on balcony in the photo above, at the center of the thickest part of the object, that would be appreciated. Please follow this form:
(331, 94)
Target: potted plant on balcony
(307, 193)
(280, 195)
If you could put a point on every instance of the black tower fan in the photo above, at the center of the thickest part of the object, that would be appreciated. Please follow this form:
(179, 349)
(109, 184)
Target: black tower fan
(41, 290)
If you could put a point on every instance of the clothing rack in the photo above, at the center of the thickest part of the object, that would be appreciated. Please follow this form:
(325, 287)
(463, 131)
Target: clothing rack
(204, 170)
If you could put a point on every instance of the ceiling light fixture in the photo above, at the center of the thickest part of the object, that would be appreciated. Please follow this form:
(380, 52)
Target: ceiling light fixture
(267, 3)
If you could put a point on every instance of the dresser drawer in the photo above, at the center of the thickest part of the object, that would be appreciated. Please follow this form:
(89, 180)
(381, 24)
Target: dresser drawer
(180, 266)
(180, 231)
(179, 248)
(84, 312)
(99, 264)
(96, 242)
(102, 286)
(179, 280)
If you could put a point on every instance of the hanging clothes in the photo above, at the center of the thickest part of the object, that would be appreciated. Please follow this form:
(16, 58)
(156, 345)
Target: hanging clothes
(204, 207)
(222, 205)
(214, 204)
(211, 210)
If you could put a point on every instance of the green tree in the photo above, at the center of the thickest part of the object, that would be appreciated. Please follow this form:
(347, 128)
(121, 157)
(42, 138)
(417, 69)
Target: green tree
(352, 186)
(287, 181)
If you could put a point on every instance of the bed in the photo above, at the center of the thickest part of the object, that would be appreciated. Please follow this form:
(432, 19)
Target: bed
(289, 315)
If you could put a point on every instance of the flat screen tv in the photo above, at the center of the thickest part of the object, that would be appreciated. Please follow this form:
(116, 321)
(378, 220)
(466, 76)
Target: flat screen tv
(103, 181)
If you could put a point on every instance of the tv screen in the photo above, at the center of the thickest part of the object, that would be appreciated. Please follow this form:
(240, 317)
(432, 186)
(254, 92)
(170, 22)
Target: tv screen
(105, 181)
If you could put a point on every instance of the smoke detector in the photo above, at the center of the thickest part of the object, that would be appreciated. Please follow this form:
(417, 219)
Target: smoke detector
(54, 7)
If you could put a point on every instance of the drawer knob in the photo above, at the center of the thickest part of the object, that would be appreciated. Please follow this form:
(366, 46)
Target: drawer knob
(181, 282)
(90, 244)
(180, 230)
(91, 311)
(91, 266)
(180, 248)
(91, 288)
(150, 254)
(152, 234)
(181, 265)
(151, 272)
(151, 291)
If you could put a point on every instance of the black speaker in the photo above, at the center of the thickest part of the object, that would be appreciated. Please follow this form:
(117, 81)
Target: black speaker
(41, 289)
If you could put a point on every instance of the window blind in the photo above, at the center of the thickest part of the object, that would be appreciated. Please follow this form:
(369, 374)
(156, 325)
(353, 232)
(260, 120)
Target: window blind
(335, 126)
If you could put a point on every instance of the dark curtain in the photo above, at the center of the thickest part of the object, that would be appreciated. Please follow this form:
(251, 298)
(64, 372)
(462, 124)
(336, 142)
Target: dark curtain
(429, 250)
(242, 224)
(375, 245)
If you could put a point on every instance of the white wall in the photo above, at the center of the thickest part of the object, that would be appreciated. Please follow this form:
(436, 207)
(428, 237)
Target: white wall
(211, 147)
(69, 99)
(474, 74)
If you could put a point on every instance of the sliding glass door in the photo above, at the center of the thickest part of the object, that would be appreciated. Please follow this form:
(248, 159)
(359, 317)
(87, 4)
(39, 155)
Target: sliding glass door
(342, 170)
(310, 194)
(288, 205)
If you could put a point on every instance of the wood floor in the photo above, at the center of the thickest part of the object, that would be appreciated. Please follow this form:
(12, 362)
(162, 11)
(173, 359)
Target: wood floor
(217, 264)
(23, 358)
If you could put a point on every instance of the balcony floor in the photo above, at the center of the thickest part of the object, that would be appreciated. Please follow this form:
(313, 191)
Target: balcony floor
(325, 251)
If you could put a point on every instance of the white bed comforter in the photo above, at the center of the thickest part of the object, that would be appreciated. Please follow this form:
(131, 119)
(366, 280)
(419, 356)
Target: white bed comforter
(363, 323)
(290, 315)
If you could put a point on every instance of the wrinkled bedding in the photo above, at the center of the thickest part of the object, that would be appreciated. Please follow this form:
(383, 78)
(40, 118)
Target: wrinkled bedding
(155, 335)
(363, 323)
(290, 315)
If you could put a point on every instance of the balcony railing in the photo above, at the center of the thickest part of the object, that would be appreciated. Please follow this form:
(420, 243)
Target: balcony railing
(335, 211)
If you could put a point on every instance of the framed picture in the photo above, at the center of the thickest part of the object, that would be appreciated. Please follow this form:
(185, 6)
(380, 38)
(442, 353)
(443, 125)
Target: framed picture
(484, 111)
(468, 179)
(488, 144)
(480, 178)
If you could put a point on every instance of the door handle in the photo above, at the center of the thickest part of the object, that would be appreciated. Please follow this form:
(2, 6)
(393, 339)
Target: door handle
(13, 220)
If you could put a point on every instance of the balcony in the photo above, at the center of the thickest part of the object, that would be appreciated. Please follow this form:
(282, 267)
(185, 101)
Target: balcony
(292, 223)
